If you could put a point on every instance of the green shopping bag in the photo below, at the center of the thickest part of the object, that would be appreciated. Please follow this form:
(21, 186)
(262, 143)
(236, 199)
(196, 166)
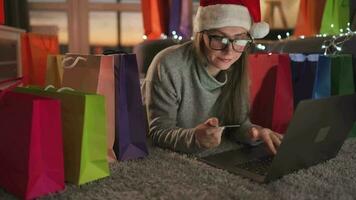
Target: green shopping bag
(84, 133)
(342, 79)
(336, 16)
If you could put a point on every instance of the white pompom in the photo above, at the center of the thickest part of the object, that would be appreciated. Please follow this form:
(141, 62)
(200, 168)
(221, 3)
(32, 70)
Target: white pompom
(259, 30)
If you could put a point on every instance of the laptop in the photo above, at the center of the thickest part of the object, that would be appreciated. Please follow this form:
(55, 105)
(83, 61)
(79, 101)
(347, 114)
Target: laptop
(315, 134)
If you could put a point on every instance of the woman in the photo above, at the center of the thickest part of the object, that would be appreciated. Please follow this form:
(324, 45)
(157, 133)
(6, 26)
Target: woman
(192, 89)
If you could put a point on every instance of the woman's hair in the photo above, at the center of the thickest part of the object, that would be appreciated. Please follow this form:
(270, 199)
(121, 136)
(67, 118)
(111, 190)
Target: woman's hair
(233, 102)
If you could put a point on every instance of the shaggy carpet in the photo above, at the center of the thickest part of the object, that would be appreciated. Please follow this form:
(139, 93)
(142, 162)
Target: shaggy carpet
(169, 175)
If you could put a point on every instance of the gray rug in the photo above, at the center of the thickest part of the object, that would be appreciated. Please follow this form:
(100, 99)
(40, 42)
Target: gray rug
(168, 175)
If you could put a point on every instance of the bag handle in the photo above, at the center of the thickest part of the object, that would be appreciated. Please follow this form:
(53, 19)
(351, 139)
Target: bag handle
(60, 89)
(76, 60)
(15, 82)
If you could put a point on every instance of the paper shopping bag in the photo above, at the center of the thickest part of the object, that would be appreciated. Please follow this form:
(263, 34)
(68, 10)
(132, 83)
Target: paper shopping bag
(131, 127)
(31, 148)
(335, 17)
(186, 23)
(303, 75)
(54, 70)
(174, 17)
(84, 133)
(94, 74)
(322, 85)
(34, 51)
(342, 80)
(271, 91)
(334, 76)
(309, 17)
(155, 20)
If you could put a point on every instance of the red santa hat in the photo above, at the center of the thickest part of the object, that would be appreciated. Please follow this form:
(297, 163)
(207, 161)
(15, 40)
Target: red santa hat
(221, 13)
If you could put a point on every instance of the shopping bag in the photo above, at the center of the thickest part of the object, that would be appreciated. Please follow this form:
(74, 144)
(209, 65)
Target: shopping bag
(186, 26)
(2, 12)
(334, 76)
(155, 20)
(303, 69)
(309, 17)
(31, 148)
(131, 127)
(335, 17)
(342, 80)
(174, 17)
(34, 51)
(271, 91)
(84, 133)
(54, 71)
(94, 74)
(322, 84)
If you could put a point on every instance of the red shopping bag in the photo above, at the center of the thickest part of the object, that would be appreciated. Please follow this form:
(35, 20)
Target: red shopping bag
(34, 51)
(271, 91)
(155, 17)
(31, 151)
(2, 12)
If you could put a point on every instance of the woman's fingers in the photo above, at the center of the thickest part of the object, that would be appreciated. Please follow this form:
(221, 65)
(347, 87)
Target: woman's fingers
(265, 133)
(276, 140)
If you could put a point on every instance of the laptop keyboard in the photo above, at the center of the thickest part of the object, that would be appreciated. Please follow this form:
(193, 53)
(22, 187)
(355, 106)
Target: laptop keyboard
(258, 166)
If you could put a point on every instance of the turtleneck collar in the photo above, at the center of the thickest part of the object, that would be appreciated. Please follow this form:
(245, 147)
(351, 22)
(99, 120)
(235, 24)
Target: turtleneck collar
(210, 82)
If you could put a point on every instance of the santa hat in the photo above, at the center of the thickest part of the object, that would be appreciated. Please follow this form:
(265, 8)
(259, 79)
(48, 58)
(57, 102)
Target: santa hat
(220, 13)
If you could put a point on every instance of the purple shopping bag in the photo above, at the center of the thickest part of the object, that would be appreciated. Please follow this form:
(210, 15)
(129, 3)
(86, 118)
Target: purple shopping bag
(130, 120)
(186, 15)
(174, 18)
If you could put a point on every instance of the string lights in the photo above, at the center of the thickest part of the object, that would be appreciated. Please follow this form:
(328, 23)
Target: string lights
(332, 45)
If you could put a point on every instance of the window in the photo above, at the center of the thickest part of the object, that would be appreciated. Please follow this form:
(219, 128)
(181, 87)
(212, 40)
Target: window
(108, 23)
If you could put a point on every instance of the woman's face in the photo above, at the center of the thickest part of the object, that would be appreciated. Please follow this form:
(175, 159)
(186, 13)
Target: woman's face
(224, 46)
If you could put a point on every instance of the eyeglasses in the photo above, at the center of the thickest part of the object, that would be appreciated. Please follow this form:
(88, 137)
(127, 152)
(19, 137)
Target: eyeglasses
(219, 43)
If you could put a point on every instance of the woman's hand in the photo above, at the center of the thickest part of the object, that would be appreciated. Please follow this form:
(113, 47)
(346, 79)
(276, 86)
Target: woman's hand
(270, 138)
(208, 134)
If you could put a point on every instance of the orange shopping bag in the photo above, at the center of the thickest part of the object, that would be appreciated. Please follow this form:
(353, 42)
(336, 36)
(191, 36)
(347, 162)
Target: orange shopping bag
(35, 49)
(155, 17)
(309, 17)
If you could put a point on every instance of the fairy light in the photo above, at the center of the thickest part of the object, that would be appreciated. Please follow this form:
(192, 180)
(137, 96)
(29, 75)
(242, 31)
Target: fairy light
(180, 38)
(144, 37)
(302, 37)
(279, 37)
(163, 36)
(260, 46)
(335, 43)
(287, 34)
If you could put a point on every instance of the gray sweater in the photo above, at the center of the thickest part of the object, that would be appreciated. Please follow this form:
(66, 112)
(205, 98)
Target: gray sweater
(179, 94)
